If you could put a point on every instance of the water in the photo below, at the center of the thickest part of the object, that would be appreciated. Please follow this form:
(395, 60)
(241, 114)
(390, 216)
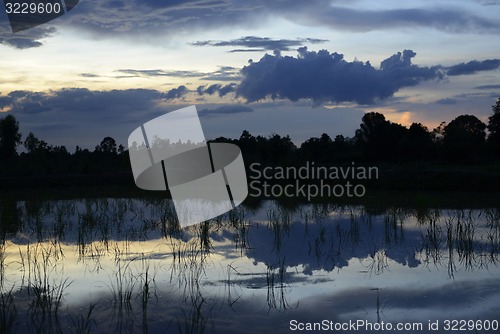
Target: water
(123, 265)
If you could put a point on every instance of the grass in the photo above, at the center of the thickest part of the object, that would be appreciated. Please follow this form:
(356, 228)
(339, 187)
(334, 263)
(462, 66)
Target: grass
(83, 323)
(276, 286)
(453, 239)
(122, 286)
(197, 318)
(189, 260)
(236, 222)
(8, 311)
(279, 220)
(493, 234)
(465, 237)
(148, 290)
(47, 292)
(2, 263)
(377, 262)
(229, 283)
(204, 235)
(170, 226)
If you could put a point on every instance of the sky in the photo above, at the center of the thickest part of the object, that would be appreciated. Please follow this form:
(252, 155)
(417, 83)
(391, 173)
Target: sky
(291, 67)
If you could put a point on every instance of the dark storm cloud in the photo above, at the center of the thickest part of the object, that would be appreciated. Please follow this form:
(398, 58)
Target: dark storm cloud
(79, 116)
(137, 17)
(5, 101)
(75, 101)
(26, 39)
(327, 77)
(216, 88)
(176, 93)
(20, 43)
(473, 66)
(226, 109)
(133, 18)
(254, 43)
(210, 90)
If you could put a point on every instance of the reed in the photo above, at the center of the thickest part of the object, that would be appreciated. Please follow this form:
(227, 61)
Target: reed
(2, 263)
(195, 320)
(83, 323)
(122, 285)
(8, 312)
(277, 288)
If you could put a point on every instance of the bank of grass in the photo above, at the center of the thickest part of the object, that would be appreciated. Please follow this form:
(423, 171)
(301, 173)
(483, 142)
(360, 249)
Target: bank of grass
(438, 177)
(398, 184)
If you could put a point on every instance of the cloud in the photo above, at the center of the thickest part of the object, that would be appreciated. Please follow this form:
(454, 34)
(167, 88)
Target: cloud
(89, 75)
(137, 18)
(5, 101)
(161, 73)
(473, 66)
(132, 18)
(226, 109)
(447, 101)
(489, 2)
(327, 77)
(254, 43)
(176, 93)
(451, 20)
(79, 116)
(216, 88)
(488, 87)
(224, 73)
(26, 39)
(77, 101)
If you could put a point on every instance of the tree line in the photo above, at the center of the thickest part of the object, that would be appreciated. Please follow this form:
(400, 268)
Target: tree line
(462, 141)
(465, 140)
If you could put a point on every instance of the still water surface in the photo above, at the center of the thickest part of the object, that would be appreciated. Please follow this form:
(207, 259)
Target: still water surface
(123, 265)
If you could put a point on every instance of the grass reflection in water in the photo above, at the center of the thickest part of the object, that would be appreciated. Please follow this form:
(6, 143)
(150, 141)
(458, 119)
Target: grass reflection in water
(124, 265)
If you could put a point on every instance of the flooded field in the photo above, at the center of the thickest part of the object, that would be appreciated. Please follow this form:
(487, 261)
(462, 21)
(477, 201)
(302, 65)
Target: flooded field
(123, 265)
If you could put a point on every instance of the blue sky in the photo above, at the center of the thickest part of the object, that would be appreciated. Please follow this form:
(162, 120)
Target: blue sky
(286, 66)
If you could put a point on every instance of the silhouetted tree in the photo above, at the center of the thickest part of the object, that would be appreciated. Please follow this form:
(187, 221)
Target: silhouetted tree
(344, 149)
(464, 138)
(372, 127)
(276, 149)
(317, 149)
(107, 145)
(379, 138)
(419, 143)
(494, 129)
(33, 144)
(248, 146)
(9, 136)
